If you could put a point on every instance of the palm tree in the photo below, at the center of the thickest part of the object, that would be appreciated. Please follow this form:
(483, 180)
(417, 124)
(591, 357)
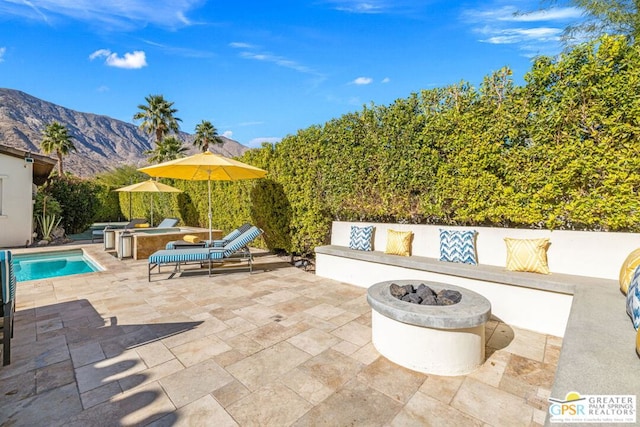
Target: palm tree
(157, 117)
(206, 134)
(169, 149)
(56, 138)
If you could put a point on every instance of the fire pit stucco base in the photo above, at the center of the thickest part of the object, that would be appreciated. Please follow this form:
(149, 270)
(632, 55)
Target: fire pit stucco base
(439, 340)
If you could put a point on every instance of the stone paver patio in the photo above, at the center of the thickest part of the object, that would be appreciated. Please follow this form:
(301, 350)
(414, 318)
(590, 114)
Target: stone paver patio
(277, 347)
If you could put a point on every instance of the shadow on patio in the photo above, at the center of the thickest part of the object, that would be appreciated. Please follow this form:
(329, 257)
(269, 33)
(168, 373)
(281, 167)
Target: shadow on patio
(68, 362)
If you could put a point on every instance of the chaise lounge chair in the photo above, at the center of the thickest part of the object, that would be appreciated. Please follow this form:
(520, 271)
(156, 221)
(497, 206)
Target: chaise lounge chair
(167, 223)
(7, 304)
(181, 244)
(99, 234)
(235, 248)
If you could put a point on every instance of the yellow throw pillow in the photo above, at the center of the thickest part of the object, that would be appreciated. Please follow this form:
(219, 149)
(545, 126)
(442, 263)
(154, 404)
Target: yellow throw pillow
(145, 225)
(527, 255)
(628, 267)
(191, 239)
(398, 242)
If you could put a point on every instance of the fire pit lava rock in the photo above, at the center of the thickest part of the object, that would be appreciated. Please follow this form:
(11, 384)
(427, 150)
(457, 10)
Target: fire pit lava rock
(424, 295)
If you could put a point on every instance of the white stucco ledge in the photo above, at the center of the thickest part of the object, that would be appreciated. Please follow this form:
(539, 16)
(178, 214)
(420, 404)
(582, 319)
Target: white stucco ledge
(472, 310)
(555, 282)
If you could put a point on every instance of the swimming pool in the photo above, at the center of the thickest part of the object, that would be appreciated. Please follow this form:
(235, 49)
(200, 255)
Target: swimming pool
(44, 265)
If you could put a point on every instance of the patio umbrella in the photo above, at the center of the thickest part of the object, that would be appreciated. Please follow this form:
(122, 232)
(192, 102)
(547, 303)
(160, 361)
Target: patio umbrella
(205, 166)
(150, 186)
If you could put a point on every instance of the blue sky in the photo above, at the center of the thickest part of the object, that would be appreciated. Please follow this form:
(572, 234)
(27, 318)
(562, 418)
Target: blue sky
(261, 70)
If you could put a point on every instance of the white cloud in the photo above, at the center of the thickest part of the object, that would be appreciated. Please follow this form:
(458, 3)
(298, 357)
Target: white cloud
(103, 88)
(227, 134)
(278, 60)
(411, 8)
(513, 14)
(362, 81)
(98, 53)
(182, 18)
(386, 80)
(252, 52)
(257, 142)
(108, 15)
(134, 60)
(3, 50)
(551, 14)
(536, 32)
(359, 7)
(521, 35)
(241, 45)
(180, 51)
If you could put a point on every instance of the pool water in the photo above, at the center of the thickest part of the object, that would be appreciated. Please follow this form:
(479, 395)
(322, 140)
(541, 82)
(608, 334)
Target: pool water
(45, 265)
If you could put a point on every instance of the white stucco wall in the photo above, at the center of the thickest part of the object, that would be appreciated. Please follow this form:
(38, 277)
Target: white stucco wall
(16, 206)
(540, 311)
(582, 253)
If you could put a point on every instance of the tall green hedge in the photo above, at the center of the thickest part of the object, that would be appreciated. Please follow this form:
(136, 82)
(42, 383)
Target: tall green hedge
(559, 152)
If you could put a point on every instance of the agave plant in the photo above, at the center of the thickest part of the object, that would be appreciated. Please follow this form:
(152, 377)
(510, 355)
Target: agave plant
(48, 223)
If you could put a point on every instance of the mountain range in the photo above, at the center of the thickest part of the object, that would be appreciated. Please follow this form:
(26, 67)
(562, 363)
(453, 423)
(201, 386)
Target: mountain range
(102, 143)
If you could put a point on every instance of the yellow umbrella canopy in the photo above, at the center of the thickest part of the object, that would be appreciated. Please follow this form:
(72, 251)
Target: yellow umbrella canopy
(205, 166)
(149, 186)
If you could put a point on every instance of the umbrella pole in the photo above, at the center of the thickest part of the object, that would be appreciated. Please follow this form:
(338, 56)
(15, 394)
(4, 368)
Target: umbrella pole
(209, 188)
(151, 195)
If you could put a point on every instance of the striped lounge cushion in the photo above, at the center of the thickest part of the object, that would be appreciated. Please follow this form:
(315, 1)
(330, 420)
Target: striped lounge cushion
(458, 246)
(168, 256)
(240, 242)
(7, 278)
(181, 243)
(232, 235)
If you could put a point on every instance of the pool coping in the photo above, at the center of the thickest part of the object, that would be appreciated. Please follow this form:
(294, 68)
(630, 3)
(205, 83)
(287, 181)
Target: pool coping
(94, 251)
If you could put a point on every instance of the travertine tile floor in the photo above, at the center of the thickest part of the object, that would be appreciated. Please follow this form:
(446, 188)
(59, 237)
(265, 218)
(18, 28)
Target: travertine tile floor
(277, 347)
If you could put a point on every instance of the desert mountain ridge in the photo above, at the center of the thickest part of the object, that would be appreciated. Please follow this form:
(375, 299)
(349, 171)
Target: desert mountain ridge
(102, 143)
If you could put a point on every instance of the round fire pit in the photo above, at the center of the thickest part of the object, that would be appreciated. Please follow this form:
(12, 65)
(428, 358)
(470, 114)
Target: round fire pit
(433, 339)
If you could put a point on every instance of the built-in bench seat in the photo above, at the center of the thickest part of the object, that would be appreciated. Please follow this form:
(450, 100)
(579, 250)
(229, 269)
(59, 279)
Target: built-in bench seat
(597, 355)
(557, 282)
(531, 301)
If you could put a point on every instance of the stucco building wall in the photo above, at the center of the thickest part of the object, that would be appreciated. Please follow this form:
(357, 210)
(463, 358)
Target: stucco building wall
(16, 205)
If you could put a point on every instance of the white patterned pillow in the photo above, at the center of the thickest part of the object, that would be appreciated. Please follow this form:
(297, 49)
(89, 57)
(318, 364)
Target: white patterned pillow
(633, 299)
(458, 246)
(360, 238)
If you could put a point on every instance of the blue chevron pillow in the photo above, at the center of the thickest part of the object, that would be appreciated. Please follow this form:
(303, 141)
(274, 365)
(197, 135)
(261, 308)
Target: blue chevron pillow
(360, 238)
(458, 246)
(633, 299)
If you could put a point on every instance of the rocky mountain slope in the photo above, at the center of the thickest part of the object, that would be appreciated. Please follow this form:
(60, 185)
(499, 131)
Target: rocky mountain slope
(102, 143)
